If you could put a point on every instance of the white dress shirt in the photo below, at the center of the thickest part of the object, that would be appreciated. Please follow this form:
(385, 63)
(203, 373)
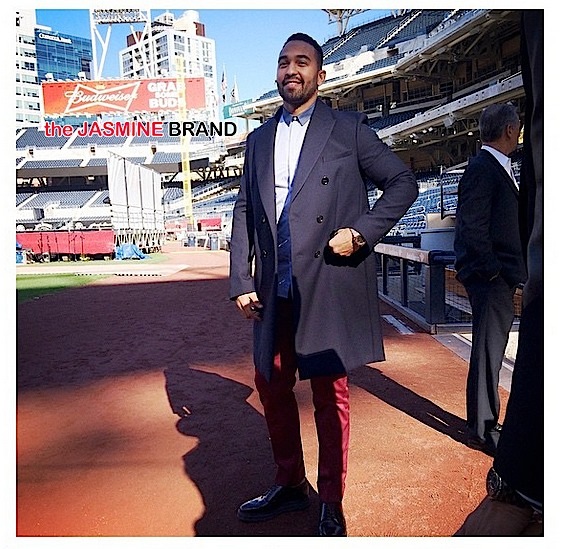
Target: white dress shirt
(288, 144)
(504, 161)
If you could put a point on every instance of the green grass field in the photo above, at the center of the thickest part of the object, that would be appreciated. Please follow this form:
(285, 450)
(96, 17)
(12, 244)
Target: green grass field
(32, 286)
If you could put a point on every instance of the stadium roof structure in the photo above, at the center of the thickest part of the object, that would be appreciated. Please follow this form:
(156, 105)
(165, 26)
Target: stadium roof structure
(414, 59)
(377, 68)
(423, 48)
(342, 17)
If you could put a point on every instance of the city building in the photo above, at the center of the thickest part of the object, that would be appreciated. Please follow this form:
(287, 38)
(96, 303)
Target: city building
(171, 47)
(168, 46)
(44, 54)
(61, 56)
(28, 88)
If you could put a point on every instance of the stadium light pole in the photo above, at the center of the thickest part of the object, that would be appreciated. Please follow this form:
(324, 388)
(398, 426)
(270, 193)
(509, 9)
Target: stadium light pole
(341, 17)
(184, 140)
(110, 17)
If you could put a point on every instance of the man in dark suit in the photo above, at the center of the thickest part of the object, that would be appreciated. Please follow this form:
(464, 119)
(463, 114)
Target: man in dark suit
(515, 484)
(490, 264)
(302, 268)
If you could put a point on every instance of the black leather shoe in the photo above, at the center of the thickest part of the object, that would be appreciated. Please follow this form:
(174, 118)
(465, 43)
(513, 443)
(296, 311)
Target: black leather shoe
(332, 521)
(277, 500)
(487, 445)
(483, 445)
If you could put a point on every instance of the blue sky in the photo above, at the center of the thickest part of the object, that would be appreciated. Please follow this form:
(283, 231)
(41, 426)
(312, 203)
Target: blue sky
(247, 40)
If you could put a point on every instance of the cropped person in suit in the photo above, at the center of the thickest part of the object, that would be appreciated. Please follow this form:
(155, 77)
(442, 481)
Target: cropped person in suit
(302, 268)
(490, 264)
(515, 484)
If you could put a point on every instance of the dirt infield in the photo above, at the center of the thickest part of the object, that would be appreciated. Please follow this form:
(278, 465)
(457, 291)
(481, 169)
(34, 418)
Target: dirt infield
(100, 452)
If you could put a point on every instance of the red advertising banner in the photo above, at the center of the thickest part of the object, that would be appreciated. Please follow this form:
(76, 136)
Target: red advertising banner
(68, 242)
(121, 96)
(210, 223)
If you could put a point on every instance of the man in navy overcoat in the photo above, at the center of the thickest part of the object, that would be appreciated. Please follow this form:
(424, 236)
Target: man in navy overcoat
(303, 269)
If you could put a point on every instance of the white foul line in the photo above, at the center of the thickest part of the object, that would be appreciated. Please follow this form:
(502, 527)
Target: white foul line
(399, 326)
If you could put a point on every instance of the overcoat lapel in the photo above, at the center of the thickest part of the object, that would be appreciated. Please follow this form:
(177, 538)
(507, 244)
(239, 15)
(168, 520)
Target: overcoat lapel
(265, 168)
(321, 125)
(319, 131)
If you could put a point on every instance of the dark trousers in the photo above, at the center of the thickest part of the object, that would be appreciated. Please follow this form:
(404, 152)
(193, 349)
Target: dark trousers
(520, 454)
(492, 316)
(330, 396)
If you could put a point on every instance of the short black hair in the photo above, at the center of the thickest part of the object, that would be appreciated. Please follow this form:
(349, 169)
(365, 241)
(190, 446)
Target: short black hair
(303, 37)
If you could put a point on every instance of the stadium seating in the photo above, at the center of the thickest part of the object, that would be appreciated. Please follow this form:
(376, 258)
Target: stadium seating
(391, 120)
(62, 199)
(22, 197)
(87, 140)
(381, 63)
(421, 25)
(369, 34)
(35, 138)
(401, 37)
(161, 157)
(63, 163)
(95, 162)
(101, 200)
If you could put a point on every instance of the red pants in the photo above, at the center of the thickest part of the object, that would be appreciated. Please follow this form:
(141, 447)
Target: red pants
(330, 396)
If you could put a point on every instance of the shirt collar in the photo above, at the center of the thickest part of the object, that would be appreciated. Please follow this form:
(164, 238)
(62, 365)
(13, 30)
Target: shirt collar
(303, 117)
(502, 158)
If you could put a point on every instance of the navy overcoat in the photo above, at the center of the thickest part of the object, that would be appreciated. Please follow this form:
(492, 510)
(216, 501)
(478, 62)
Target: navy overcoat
(336, 313)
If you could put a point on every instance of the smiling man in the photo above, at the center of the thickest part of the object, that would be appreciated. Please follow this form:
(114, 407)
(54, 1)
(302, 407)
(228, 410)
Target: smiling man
(302, 269)
(298, 77)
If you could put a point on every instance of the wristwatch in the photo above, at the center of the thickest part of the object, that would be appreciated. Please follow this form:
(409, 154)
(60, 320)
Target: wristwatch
(499, 490)
(358, 240)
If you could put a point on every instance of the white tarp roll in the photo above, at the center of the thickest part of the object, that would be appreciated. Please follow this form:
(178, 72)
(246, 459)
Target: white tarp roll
(117, 191)
(136, 195)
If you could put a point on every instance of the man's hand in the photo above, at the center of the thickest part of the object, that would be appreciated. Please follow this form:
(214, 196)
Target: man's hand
(345, 242)
(249, 306)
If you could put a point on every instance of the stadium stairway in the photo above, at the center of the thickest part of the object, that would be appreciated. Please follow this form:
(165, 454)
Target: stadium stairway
(137, 417)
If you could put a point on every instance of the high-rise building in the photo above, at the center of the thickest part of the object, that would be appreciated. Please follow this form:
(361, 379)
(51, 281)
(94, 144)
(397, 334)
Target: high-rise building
(171, 47)
(28, 88)
(45, 54)
(61, 56)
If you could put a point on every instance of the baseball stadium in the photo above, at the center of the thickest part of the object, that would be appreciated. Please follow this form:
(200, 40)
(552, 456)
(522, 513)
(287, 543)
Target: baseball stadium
(142, 214)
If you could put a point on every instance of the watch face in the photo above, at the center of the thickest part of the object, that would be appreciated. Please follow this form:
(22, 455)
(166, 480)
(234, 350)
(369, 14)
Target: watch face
(498, 490)
(494, 483)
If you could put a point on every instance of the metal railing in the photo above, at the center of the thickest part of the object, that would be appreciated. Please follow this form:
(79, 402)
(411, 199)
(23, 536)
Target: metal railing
(422, 285)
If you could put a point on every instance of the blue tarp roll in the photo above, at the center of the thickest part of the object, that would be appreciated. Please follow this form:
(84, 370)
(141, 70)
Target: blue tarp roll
(129, 251)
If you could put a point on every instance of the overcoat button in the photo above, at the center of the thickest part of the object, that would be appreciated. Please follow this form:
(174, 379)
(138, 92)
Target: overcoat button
(324, 180)
(263, 219)
(319, 218)
(317, 254)
(264, 253)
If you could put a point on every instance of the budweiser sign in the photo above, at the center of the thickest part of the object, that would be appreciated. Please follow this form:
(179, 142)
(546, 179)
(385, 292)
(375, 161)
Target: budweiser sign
(122, 96)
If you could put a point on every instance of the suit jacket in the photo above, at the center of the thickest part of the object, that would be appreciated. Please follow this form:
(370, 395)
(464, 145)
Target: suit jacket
(520, 453)
(487, 238)
(336, 315)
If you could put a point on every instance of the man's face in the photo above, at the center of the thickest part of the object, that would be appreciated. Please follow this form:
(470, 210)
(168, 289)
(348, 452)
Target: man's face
(513, 134)
(298, 74)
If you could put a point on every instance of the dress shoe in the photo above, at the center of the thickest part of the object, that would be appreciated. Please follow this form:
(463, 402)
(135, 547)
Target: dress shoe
(277, 500)
(487, 445)
(332, 521)
(483, 445)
